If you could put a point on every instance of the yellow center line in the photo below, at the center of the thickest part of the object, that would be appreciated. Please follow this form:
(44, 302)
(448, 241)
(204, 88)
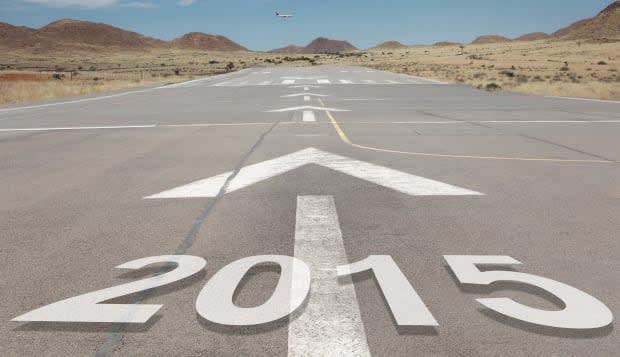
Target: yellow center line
(343, 136)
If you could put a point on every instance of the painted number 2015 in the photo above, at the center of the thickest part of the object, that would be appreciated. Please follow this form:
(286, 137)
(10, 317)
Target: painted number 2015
(215, 301)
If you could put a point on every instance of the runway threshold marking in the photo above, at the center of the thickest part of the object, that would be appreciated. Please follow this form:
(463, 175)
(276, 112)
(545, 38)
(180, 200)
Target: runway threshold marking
(331, 324)
(308, 116)
(343, 136)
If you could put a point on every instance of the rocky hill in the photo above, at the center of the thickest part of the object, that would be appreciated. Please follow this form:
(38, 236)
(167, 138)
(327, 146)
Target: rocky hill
(319, 45)
(604, 26)
(205, 42)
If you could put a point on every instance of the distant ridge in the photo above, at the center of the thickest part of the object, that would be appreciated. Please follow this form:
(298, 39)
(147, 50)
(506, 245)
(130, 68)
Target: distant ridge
(68, 35)
(288, 49)
(319, 45)
(533, 36)
(446, 43)
(490, 39)
(389, 45)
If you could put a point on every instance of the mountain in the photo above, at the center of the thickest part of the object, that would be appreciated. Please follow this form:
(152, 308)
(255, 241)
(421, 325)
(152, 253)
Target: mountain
(533, 36)
(204, 42)
(389, 45)
(490, 39)
(69, 35)
(319, 45)
(605, 25)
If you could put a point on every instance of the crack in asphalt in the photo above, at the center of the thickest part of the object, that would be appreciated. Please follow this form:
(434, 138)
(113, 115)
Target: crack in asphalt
(526, 136)
(117, 332)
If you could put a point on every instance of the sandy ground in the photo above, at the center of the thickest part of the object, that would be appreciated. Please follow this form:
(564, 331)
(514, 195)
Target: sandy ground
(568, 68)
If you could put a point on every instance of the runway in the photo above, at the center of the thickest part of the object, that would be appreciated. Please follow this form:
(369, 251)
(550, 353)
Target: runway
(330, 165)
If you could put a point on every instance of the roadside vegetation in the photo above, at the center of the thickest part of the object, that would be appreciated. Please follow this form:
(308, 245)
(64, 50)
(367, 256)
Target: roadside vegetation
(544, 67)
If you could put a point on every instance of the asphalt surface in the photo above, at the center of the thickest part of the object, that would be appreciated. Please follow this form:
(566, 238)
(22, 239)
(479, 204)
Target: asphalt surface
(75, 175)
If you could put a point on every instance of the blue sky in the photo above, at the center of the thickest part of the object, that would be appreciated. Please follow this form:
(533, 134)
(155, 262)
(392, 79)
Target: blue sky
(364, 23)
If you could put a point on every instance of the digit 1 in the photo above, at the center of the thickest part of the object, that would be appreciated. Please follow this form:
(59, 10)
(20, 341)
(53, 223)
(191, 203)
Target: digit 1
(406, 306)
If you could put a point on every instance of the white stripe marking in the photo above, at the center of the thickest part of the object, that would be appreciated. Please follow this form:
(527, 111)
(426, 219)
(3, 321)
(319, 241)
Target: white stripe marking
(304, 94)
(288, 81)
(369, 81)
(383, 176)
(306, 88)
(306, 98)
(81, 128)
(587, 99)
(149, 126)
(331, 324)
(308, 116)
(323, 81)
(391, 81)
(77, 101)
(308, 107)
(346, 81)
(265, 83)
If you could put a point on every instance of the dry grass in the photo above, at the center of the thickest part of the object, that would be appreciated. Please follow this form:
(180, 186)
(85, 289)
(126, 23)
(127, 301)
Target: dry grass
(544, 67)
(568, 68)
(26, 91)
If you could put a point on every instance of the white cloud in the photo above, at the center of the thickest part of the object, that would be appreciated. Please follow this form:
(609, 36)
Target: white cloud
(185, 2)
(78, 3)
(141, 5)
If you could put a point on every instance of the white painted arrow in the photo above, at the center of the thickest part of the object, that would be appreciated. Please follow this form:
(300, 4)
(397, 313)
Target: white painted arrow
(383, 176)
(304, 94)
(307, 107)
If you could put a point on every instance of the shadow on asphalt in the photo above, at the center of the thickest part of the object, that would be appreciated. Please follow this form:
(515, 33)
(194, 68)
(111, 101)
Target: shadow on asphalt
(522, 325)
(401, 330)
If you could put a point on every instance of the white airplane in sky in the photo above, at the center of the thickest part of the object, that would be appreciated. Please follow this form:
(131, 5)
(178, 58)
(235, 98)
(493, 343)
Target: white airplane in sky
(284, 16)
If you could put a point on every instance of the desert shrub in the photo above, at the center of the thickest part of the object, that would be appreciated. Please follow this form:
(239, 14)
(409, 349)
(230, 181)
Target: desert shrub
(475, 57)
(602, 63)
(230, 66)
(58, 76)
(507, 73)
(522, 78)
(492, 87)
(177, 71)
(564, 69)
